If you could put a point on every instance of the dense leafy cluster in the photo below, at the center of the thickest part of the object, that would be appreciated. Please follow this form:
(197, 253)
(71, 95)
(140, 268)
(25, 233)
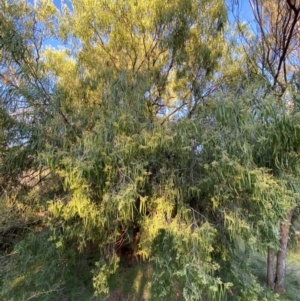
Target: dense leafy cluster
(138, 125)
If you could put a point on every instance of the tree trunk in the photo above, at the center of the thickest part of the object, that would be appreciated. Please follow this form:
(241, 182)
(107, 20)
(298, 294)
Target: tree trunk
(281, 255)
(270, 269)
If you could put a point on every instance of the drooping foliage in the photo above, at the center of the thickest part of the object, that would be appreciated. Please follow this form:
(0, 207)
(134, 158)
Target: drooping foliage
(130, 132)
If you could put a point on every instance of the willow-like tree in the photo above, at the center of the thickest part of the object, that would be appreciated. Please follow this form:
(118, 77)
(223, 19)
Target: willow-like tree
(137, 127)
(274, 55)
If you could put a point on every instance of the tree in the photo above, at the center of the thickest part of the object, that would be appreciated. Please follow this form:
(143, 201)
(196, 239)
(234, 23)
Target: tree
(274, 55)
(273, 48)
(138, 124)
(278, 23)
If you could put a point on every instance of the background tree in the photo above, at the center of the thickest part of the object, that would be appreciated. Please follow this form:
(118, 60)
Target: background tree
(274, 56)
(273, 48)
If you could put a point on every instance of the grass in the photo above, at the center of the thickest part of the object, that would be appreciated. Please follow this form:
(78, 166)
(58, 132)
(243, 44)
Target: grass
(131, 284)
(293, 277)
(259, 268)
(134, 283)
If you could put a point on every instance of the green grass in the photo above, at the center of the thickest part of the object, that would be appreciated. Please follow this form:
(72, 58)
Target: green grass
(133, 284)
(259, 268)
(293, 277)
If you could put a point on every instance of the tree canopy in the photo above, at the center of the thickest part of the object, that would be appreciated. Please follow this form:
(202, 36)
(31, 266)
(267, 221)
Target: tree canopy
(150, 134)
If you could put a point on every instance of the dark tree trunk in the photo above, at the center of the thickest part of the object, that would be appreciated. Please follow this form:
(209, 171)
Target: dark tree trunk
(270, 269)
(281, 255)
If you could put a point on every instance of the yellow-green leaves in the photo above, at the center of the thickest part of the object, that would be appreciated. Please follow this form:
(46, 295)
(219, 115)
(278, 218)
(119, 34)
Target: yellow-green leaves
(146, 47)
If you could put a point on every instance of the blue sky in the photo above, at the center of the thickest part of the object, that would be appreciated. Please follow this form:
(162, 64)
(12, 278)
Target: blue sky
(244, 8)
(56, 2)
(244, 11)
